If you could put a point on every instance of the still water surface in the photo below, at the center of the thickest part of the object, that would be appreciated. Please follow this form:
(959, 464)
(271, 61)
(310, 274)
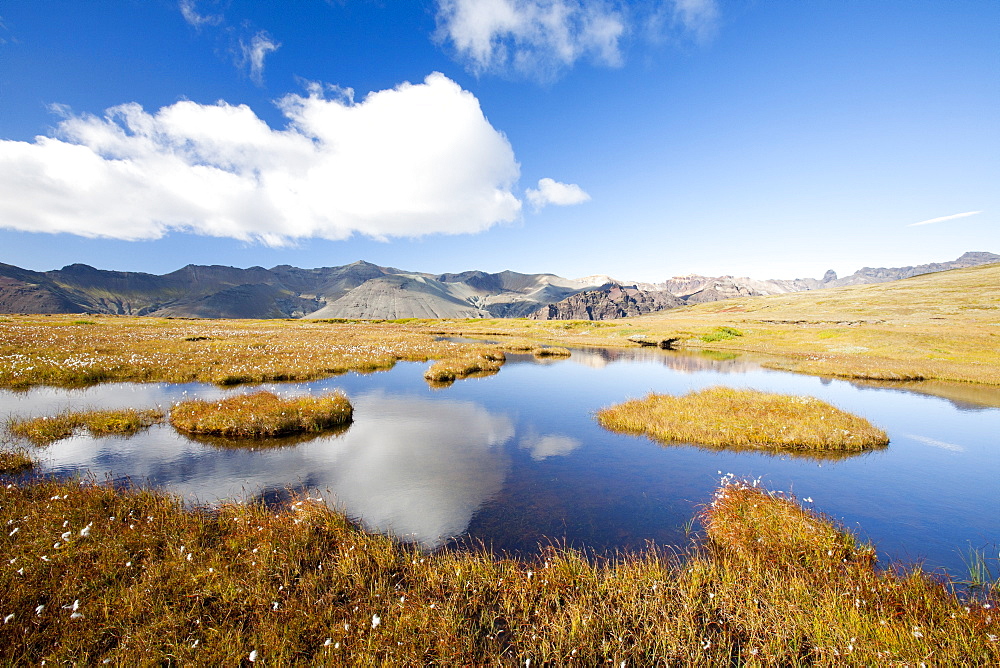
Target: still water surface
(517, 459)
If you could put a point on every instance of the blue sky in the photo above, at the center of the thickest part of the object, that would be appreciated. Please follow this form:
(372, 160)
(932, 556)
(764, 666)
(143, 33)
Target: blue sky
(644, 140)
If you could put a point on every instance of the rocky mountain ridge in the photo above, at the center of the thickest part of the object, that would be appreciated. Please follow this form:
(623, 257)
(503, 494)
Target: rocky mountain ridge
(640, 298)
(365, 290)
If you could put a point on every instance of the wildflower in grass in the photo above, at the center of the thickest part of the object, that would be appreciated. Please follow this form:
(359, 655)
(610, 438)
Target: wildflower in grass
(253, 656)
(8, 618)
(376, 620)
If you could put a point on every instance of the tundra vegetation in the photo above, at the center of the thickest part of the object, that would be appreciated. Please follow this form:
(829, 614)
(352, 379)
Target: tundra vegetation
(261, 414)
(445, 372)
(44, 430)
(734, 418)
(14, 460)
(550, 351)
(96, 574)
(53, 350)
(941, 326)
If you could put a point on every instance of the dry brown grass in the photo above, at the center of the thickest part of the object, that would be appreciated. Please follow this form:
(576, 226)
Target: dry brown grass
(51, 350)
(551, 351)
(44, 430)
(447, 371)
(93, 574)
(14, 461)
(261, 414)
(727, 417)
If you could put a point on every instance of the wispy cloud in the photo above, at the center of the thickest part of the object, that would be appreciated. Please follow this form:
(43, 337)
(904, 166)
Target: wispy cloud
(540, 39)
(536, 38)
(253, 54)
(550, 191)
(698, 17)
(247, 50)
(189, 11)
(409, 161)
(944, 218)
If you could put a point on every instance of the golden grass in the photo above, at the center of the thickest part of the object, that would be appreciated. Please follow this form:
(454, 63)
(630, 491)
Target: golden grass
(14, 461)
(550, 351)
(94, 574)
(261, 414)
(750, 524)
(44, 430)
(727, 417)
(447, 371)
(51, 350)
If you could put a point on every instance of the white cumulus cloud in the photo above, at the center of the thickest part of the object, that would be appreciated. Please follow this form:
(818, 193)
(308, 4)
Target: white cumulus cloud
(533, 37)
(550, 191)
(414, 160)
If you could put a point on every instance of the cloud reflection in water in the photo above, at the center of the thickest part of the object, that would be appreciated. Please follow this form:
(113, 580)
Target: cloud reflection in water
(414, 467)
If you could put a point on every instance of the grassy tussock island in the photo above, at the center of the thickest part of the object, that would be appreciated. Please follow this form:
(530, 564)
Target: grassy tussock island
(550, 351)
(45, 430)
(726, 417)
(261, 414)
(94, 574)
(447, 371)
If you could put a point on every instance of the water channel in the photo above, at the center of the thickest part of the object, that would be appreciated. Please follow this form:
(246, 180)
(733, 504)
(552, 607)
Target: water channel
(516, 459)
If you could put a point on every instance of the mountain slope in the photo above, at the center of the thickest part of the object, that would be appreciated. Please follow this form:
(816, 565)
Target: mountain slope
(365, 290)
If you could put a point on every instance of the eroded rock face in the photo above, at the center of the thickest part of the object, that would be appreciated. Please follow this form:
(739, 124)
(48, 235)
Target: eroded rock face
(614, 302)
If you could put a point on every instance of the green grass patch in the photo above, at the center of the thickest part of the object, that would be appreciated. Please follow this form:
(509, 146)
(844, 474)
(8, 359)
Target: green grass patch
(48, 429)
(261, 414)
(721, 334)
(726, 417)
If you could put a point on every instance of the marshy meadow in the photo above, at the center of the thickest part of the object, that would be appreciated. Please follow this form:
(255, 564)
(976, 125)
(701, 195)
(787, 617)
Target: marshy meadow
(509, 499)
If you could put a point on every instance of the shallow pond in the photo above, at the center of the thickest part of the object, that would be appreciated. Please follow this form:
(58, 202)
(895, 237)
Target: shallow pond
(516, 459)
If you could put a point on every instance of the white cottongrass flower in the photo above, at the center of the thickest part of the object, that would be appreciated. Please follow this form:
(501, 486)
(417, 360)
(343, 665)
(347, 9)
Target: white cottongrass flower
(8, 618)
(253, 655)
(327, 642)
(376, 620)
(85, 531)
(38, 610)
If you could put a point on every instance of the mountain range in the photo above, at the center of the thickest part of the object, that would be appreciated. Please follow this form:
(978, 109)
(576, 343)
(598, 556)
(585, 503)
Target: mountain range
(363, 290)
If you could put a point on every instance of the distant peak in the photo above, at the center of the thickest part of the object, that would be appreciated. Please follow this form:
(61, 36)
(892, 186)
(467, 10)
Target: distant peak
(596, 279)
